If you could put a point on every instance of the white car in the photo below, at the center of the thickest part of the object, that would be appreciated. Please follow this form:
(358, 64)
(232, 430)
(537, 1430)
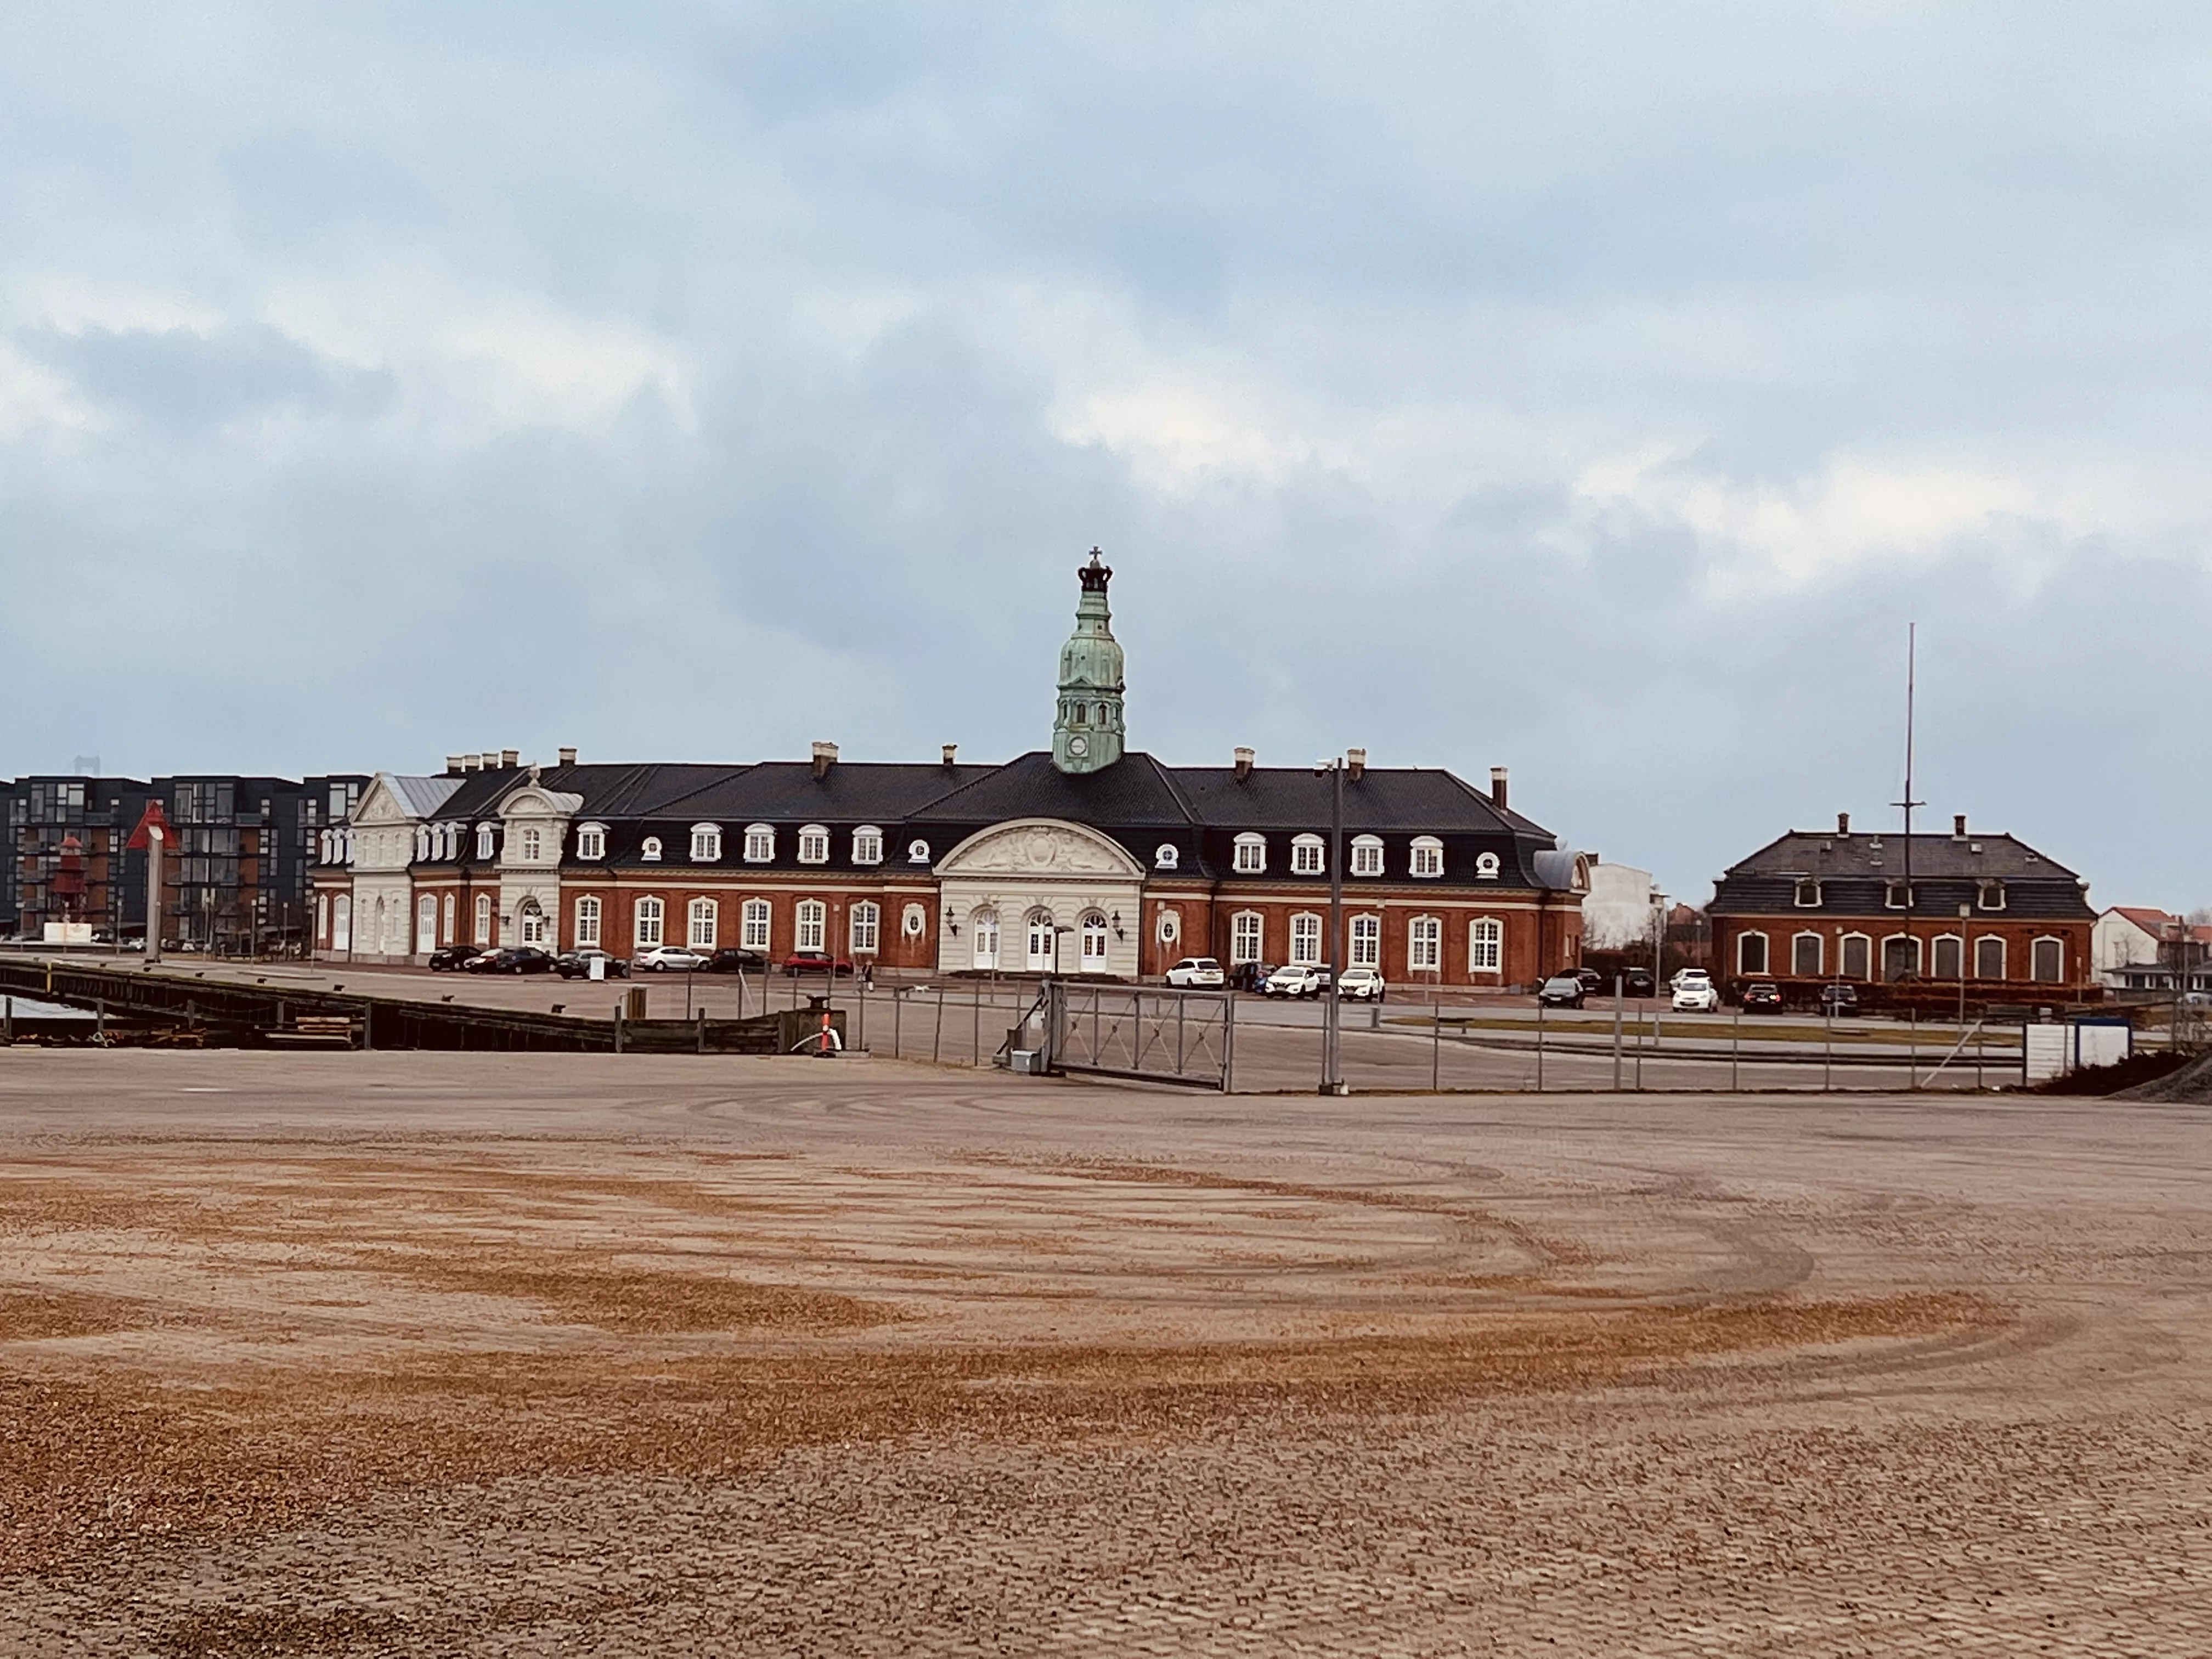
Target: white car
(1360, 984)
(1682, 976)
(1294, 981)
(663, 957)
(1198, 973)
(1697, 996)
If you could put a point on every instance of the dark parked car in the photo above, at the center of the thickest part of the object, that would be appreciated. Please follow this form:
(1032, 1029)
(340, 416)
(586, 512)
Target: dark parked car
(577, 964)
(1762, 996)
(1637, 982)
(1839, 999)
(447, 957)
(1592, 980)
(1250, 975)
(514, 959)
(731, 960)
(1561, 991)
(816, 961)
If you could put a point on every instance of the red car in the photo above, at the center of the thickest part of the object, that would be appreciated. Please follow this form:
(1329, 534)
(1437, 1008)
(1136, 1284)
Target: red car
(816, 961)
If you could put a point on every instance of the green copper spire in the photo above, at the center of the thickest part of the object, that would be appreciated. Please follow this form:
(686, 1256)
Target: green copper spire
(1087, 732)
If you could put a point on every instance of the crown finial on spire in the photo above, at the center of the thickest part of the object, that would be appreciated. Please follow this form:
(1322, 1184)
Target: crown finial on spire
(1087, 733)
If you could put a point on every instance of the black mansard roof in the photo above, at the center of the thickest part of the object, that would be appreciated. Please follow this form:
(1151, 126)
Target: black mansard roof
(1855, 871)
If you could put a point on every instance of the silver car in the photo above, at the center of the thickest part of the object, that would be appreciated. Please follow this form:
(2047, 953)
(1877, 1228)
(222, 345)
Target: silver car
(1198, 973)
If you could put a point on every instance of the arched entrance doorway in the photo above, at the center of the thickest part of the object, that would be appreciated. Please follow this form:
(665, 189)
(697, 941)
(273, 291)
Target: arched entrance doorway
(1043, 943)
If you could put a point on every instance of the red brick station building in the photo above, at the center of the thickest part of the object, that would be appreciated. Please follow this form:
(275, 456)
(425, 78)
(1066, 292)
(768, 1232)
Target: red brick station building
(1081, 859)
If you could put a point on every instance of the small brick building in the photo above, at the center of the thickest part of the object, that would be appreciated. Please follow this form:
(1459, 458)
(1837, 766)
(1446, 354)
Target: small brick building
(1814, 906)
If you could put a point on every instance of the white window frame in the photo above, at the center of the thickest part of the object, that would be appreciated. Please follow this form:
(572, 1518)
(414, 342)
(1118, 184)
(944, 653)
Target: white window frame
(760, 843)
(702, 924)
(1936, 957)
(914, 921)
(755, 923)
(533, 846)
(1919, 956)
(1247, 938)
(592, 842)
(1364, 934)
(1765, 952)
(648, 922)
(1309, 856)
(1896, 895)
(1425, 945)
(1806, 895)
(2035, 950)
(1165, 856)
(1486, 946)
(813, 844)
(1168, 928)
(868, 845)
(705, 843)
(1486, 866)
(810, 926)
(1041, 929)
(1306, 940)
(1425, 859)
(1843, 956)
(532, 923)
(484, 841)
(588, 921)
(1984, 889)
(1367, 855)
(483, 935)
(1251, 858)
(649, 849)
(1092, 930)
(426, 923)
(1819, 954)
(917, 852)
(450, 936)
(2004, 953)
(863, 928)
(983, 938)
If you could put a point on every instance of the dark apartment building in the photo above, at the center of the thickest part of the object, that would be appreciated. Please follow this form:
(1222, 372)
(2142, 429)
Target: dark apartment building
(235, 875)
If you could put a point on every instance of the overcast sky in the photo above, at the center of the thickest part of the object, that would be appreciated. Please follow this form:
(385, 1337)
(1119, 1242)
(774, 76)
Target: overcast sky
(1597, 390)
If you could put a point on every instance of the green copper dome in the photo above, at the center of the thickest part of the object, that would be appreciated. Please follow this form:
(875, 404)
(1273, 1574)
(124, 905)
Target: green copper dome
(1086, 731)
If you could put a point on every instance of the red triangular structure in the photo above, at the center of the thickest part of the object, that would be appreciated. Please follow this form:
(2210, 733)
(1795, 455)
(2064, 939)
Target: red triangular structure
(152, 819)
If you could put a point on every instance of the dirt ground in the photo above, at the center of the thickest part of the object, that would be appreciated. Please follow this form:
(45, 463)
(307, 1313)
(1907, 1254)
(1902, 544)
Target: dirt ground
(429, 1354)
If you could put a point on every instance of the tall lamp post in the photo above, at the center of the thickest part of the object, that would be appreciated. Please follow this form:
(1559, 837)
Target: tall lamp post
(1332, 1069)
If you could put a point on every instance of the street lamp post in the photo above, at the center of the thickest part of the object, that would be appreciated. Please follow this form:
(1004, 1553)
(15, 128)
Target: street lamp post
(1332, 1067)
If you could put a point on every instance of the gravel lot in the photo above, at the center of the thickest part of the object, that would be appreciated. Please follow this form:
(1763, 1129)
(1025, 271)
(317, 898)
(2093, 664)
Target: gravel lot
(445, 1353)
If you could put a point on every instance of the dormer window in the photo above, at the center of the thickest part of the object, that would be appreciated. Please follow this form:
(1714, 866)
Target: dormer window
(1809, 893)
(1251, 858)
(759, 844)
(705, 843)
(1367, 855)
(484, 841)
(533, 846)
(1165, 856)
(592, 842)
(1896, 895)
(1428, 857)
(1989, 895)
(1309, 856)
(917, 852)
(814, 845)
(1485, 869)
(649, 850)
(867, 845)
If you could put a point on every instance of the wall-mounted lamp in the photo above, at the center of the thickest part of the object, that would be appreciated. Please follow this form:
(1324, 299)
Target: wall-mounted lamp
(1117, 925)
(950, 926)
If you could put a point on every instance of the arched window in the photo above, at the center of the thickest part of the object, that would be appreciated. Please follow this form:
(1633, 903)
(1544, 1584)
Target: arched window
(1428, 856)
(323, 917)
(342, 922)
(450, 937)
(1988, 956)
(1486, 946)
(1425, 945)
(1366, 942)
(814, 845)
(649, 849)
(426, 923)
(760, 843)
(1165, 856)
(1900, 957)
(591, 840)
(1807, 955)
(753, 922)
(867, 845)
(1950, 957)
(1251, 858)
(380, 928)
(484, 841)
(705, 843)
(703, 925)
(532, 915)
(983, 936)
(1308, 855)
(1094, 943)
(917, 852)
(1305, 940)
(649, 929)
(1855, 956)
(812, 917)
(1751, 953)
(866, 924)
(422, 843)
(2046, 961)
(912, 920)
(1042, 938)
(1247, 937)
(484, 919)
(1486, 866)
(588, 921)
(1367, 855)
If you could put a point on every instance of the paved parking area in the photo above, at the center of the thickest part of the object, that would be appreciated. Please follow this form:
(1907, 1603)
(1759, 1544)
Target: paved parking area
(424, 1353)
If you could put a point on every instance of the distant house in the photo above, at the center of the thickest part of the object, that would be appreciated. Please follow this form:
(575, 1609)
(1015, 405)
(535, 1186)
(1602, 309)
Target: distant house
(1616, 909)
(1830, 904)
(2132, 948)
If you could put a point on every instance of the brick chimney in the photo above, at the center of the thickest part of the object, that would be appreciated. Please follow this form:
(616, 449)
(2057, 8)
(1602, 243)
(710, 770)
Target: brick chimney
(456, 765)
(510, 758)
(952, 752)
(568, 757)
(1958, 826)
(1843, 823)
(1355, 764)
(1245, 758)
(1498, 786)
(825, 756)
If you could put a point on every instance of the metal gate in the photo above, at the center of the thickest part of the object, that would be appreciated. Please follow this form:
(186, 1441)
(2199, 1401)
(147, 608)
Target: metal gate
(1126, 1030)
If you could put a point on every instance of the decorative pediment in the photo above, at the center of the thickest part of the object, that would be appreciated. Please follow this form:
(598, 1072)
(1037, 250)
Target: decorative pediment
(380, 803)
(534, 800)
(1039, 847)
